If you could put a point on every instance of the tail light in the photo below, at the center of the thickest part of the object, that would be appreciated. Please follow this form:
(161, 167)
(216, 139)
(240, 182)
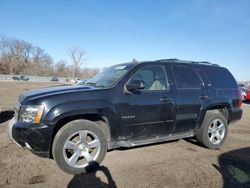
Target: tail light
(240, 98)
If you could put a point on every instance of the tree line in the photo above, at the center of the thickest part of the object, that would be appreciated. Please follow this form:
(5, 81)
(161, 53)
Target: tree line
(21, 57)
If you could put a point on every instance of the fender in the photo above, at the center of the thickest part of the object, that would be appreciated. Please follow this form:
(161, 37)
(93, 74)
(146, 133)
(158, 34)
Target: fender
(86, 107)
(79, 108)
(212, 103)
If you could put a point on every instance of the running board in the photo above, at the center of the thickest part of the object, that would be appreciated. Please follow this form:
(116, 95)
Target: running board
(158, 139)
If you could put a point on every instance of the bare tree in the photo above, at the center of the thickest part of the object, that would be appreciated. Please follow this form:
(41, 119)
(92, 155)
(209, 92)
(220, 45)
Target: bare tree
(89, 72)
(8, 53)
(62, 69)
(76, 56)
(3, 66)
(22, 54)
(21, 57)
(15, 54)
(25, 51)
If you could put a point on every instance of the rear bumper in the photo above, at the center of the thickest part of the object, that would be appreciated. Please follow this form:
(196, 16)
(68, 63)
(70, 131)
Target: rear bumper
(235, 115)
(35, 137)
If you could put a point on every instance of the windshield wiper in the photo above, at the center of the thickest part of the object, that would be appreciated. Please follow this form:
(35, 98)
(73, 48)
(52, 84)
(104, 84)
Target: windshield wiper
(94, 84)
(99, 86)
(91, 83)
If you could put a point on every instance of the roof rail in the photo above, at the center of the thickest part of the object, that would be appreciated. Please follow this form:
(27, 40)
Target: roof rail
(205, 63)
(171, 59)
(186, 61)
(201, 62)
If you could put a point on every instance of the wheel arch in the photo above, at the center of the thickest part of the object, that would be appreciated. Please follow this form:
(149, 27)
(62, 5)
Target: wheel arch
(224, 108)
(100, 120)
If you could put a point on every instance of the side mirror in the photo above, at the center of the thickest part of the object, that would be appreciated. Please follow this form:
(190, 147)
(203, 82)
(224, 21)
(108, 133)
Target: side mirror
(135, 84)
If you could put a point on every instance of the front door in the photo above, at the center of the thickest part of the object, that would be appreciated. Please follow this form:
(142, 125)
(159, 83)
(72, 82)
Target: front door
(148, 112)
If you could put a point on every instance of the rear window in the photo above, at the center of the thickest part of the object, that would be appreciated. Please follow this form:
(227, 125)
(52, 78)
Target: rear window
(220, 77)
(186, 77)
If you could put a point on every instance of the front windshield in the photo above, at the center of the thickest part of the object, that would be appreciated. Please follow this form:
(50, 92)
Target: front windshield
(109, 76)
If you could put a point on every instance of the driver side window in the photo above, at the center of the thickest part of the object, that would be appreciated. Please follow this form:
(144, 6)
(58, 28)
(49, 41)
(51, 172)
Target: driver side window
(153, 76)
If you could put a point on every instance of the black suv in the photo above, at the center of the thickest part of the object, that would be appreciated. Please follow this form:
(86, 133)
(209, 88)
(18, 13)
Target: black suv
(127, 105)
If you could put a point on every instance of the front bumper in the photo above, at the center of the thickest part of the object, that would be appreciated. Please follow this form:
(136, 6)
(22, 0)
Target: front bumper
(35, 137)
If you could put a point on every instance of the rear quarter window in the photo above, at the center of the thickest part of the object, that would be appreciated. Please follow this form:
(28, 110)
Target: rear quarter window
(220, 77)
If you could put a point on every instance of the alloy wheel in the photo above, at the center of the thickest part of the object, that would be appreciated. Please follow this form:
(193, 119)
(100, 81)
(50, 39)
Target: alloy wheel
(81, 148)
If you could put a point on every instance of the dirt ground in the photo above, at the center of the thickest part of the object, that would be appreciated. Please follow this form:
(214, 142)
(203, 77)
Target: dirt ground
(180, 163)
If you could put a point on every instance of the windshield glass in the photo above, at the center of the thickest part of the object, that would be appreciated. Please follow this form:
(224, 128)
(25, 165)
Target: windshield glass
(109, 76)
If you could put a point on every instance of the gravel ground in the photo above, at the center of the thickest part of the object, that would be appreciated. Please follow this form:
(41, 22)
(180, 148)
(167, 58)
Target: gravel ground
(180, 163)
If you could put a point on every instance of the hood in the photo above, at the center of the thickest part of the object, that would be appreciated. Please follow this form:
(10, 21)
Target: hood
(43, 92)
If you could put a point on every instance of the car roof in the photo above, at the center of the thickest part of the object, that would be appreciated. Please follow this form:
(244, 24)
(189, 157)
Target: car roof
(171, 61)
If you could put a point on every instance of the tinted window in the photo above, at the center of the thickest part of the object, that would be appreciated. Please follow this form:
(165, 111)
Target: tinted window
(154, 77)
(186, 77)
(220, 77)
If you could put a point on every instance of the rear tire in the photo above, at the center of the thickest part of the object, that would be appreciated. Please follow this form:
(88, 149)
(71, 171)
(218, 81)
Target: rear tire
(78, 146)
(213, 131)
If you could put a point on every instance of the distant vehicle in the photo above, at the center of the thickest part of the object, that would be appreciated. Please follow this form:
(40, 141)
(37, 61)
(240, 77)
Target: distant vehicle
(54, 79)
(24, 78)
(241, 85)
(15, 78)
(21, 78)
(245, 93)
(80, 82)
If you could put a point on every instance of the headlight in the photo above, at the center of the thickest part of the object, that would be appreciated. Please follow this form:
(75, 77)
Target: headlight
(31, 113)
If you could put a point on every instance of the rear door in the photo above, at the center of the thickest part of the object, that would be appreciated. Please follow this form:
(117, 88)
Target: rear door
(190, 93)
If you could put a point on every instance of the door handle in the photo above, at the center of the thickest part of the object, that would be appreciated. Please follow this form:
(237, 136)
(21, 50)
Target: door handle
(165, 99)
(203, 97)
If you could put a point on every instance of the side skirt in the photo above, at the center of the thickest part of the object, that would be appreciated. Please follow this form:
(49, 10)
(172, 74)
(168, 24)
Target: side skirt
(158, 139)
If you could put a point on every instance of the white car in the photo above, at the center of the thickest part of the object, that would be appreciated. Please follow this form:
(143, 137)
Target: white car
(245, 93)
(80, 82)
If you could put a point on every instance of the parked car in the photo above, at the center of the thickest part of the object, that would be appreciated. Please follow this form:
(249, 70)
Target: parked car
(54, 79)
(245, 93)
(15, 78)
(23, 78)
(80, 82)
(241, 85)
(127, 105)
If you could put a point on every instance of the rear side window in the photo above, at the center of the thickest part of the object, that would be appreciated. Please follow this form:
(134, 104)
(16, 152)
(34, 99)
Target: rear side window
(220, 77)
(186, 77)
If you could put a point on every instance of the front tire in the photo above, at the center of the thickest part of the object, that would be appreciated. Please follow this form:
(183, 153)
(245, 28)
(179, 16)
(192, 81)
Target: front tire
(213, 131)
(79, 145)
